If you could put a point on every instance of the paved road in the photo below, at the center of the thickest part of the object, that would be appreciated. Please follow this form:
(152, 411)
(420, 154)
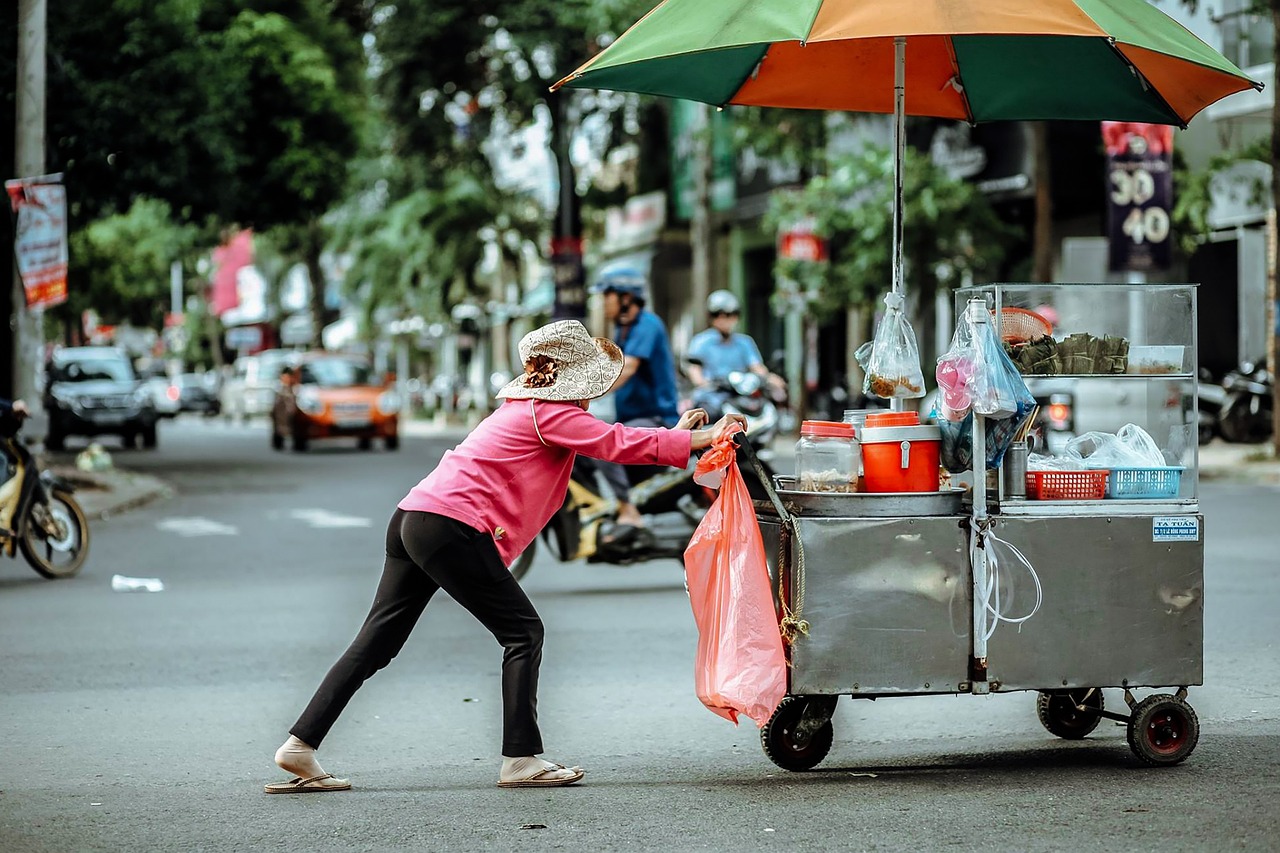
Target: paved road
(147, 721)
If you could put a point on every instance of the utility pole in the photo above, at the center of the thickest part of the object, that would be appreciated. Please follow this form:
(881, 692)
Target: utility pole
(29, 162)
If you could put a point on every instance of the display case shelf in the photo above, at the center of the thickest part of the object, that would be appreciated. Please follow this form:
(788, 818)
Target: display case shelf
(1139, 326)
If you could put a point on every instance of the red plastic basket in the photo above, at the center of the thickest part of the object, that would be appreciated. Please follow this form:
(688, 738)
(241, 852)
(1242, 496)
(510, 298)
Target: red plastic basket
(1018, 325)
(1067, 485)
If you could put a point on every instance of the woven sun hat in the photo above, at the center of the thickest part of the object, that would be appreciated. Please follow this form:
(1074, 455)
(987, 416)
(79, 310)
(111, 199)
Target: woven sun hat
(563, 362)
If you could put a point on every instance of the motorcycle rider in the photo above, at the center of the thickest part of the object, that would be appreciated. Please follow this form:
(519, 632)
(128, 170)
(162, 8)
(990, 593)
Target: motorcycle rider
(645, 393)
(716, 352)
(12, 414)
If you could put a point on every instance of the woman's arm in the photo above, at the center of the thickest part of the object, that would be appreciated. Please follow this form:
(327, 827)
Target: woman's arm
(566, 425)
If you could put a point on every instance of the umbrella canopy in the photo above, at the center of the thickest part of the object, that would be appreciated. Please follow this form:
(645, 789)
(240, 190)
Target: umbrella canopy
(973, 60)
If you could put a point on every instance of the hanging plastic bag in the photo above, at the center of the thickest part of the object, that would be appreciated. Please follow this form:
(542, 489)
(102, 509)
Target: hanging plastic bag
(740, 666)
(976, 376)
(892, 361)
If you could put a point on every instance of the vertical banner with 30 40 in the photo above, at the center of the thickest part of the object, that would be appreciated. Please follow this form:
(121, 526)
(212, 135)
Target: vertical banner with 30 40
(1139, 195)
(40, 237)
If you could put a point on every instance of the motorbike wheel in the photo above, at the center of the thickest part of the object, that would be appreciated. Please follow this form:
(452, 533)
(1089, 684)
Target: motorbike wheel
(524, 562)
(62, 556)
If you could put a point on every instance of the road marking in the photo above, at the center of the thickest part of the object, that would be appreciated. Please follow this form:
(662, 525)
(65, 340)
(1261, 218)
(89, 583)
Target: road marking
(322, 518)
(196, 527)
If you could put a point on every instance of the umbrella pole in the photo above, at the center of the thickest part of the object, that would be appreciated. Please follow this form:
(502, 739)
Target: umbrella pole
(896, 404)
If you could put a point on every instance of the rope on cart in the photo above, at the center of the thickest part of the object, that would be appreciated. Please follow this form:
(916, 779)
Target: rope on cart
(792, 625)
(991, 591)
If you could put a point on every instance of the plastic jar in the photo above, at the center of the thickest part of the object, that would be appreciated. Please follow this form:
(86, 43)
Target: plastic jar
(826, 460)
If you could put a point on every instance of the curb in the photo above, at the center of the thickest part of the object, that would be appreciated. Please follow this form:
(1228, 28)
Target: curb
(102, 494)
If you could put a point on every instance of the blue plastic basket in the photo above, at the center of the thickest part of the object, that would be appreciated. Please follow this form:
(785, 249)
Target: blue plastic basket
(1134, 483)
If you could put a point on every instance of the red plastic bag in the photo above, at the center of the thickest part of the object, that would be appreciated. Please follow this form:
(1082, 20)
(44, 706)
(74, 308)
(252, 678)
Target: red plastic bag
(740, 667)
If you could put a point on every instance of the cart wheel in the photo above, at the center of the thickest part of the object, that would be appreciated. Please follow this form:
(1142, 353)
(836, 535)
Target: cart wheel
(1058, 713)
(799, 734)
(1163, 730)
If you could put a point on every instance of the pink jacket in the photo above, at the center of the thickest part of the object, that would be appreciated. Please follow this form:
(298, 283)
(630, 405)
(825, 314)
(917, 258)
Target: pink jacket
(510, 475)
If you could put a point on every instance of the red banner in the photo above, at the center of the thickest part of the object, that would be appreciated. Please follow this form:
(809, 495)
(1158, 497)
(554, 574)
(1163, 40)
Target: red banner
(40, 239)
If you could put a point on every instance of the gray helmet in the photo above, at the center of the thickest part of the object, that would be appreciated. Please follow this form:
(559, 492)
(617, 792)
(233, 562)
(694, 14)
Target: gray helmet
(722, 302)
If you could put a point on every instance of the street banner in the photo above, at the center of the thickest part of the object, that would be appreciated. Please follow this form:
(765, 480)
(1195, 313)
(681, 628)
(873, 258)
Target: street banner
(797, 242)
(1139, 195)
(40, 237)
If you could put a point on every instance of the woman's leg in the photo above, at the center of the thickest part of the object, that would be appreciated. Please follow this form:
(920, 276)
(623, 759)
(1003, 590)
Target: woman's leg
(403, 593)
(470, 570)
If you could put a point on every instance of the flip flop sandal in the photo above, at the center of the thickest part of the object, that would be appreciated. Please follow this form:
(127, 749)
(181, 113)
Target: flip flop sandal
(540, 780)
(298, 785)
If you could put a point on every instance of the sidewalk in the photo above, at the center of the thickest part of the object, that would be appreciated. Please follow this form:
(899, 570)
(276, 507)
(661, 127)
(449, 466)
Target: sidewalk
(102, 494)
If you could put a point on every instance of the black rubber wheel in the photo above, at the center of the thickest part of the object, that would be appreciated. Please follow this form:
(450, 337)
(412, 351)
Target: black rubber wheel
(60, 555)
(130, 440)
(300, 441)
(364, 443)
(149, 437)
(55, 441)
(524, 562)
(1245, 421)
(1058, 713)
(392, 442)
(1163, 730)
(277, 441)
(782, 742)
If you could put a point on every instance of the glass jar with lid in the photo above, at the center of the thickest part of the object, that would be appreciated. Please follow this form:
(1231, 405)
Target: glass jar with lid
(826, 459)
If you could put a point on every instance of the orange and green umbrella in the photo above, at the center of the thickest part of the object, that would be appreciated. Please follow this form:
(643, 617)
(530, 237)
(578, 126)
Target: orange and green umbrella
(973, 60)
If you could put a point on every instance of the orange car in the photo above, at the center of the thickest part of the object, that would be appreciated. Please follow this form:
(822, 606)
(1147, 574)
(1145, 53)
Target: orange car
(328, 395)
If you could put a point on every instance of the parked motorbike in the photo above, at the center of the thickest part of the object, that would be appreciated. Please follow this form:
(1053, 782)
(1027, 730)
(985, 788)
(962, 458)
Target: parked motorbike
(38, 515)
(1246, 416)
(1211, 398)
(672, 503)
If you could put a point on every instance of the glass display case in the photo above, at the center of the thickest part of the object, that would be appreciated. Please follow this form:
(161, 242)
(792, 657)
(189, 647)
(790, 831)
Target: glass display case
(1098, 357)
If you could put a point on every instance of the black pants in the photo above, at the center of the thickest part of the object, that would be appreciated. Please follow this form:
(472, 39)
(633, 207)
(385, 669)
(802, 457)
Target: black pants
(426, 552)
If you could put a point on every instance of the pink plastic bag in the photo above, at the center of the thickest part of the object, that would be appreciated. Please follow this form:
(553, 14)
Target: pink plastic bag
(740, 667)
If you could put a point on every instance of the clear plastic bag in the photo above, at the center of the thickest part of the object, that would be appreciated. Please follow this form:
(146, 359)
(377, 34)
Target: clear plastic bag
(1130, 447)
(892, 361)
(975, 375)
(740, 667)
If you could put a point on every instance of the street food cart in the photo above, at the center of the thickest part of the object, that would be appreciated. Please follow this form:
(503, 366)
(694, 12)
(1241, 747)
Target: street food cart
(898, 594)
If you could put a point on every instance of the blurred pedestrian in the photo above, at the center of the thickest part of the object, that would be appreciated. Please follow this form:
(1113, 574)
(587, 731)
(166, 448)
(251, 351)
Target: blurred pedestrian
(460, 527)
(645, 394)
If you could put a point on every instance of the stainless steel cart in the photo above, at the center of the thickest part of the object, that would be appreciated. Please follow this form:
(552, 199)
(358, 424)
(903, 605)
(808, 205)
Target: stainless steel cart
(887, 595)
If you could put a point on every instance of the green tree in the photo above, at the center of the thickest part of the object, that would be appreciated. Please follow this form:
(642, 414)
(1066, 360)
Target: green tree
(128, 256)
(951, 231)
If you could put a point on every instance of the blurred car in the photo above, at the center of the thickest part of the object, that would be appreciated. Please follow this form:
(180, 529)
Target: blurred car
(196, 394)
(94, 391)
(164, 391)
(328, 395)
(250, 390)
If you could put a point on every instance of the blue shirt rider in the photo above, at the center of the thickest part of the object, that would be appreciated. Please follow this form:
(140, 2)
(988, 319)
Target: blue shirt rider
(645, 394)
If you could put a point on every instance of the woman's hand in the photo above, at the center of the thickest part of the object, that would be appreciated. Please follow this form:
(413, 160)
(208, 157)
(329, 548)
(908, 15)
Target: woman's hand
(20, 408)
(703, 438)
(692, 419)
(722, 426)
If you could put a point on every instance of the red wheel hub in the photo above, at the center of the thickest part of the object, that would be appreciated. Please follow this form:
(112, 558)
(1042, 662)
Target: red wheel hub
(1166, 732)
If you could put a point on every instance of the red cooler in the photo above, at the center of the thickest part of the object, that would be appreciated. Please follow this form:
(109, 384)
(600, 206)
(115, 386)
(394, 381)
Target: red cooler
(899, 454)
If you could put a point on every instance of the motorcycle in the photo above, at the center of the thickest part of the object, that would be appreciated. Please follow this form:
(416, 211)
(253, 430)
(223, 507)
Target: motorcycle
(746, 394)
(672, 503)
(1246, 415)
(1211, 398)
(38, 514)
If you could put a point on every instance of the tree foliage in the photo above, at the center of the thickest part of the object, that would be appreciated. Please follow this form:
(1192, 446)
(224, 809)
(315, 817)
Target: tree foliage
(950, 230)
(128, 256)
